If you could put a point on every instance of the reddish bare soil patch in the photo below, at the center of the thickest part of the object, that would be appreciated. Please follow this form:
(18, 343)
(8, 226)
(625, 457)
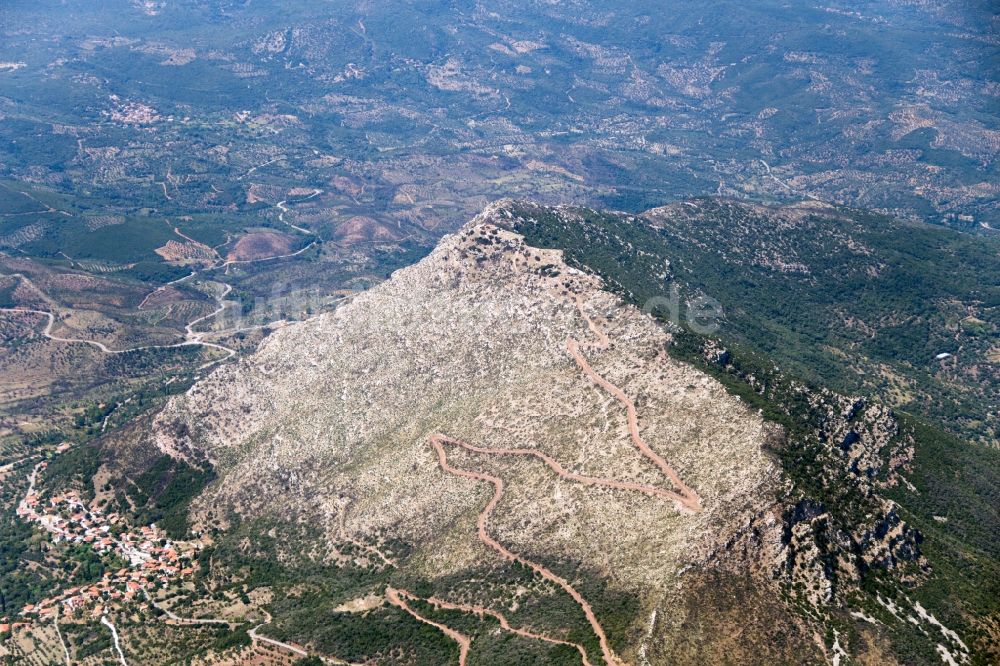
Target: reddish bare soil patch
(349, 186)
(252, 196)
(361, 229)
(261, 245)
(164, 297)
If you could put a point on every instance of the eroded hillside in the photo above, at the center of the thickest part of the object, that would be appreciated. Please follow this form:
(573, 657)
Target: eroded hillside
(515, 367)
(494, 443)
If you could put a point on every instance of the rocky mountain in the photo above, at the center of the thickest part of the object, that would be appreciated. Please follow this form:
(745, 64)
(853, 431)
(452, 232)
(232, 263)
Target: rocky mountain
(160, 160)
(847, 299)
(280, 386)
(501, 446)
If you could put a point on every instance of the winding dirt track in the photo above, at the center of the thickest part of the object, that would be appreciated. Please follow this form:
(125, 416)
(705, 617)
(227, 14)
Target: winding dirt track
(688, 498)
(504, 624)
(603, 341)
(685, 496)
(396, 598)
(47, 332)
(438, 441)
(563, 473)
(225, 264)
(368, 548)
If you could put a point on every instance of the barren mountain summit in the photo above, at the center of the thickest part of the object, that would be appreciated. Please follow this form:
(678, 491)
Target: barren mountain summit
(488, 362)
(713, 380)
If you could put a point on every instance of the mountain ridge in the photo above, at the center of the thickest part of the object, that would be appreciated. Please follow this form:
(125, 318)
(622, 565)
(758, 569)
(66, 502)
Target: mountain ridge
(499, 317)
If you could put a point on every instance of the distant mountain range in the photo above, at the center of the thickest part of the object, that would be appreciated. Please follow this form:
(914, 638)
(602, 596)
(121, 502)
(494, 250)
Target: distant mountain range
(713, 379)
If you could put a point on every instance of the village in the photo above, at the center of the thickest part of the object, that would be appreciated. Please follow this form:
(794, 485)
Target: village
(146, 564)
(151, 560)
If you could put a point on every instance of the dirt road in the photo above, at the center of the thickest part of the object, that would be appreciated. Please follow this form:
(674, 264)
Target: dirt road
(685, 496)
(368, 548)
(482, 523)
(504, 623)
(47, 332)
(563, 473)
(396, 598)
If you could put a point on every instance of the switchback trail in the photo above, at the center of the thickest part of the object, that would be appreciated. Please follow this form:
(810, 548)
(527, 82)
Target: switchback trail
(504, 623)
(396, 598)
(563, 473)
(482, 523)
(685, 496)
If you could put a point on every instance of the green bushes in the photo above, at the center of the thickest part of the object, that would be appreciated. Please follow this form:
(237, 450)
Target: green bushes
(166, 489)
(799, 321)
(841, 300)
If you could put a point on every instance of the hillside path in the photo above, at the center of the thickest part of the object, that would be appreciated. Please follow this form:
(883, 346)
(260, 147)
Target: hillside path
(482, 523)
(685, 496)
(504, 623)
(396, 598)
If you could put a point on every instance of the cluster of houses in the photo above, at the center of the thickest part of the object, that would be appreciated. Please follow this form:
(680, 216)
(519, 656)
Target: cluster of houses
(152, 559)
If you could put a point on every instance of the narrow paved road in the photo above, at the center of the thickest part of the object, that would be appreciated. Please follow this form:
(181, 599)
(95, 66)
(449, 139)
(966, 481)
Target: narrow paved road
(785, 185)
(284, 209)
(191, 337)
(189, 332)
(222, 263)
(32, 481)
(114, 635)
(252, 633)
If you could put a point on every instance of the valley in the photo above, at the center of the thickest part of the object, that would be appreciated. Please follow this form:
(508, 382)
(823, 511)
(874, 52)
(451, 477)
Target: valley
(420, 528)
(502, 333)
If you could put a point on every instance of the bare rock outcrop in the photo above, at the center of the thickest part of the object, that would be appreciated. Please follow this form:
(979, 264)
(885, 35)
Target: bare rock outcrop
(601, 448)
(472, 342)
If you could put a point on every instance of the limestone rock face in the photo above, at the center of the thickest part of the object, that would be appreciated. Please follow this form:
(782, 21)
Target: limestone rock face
(496, 414)
(472, 342)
